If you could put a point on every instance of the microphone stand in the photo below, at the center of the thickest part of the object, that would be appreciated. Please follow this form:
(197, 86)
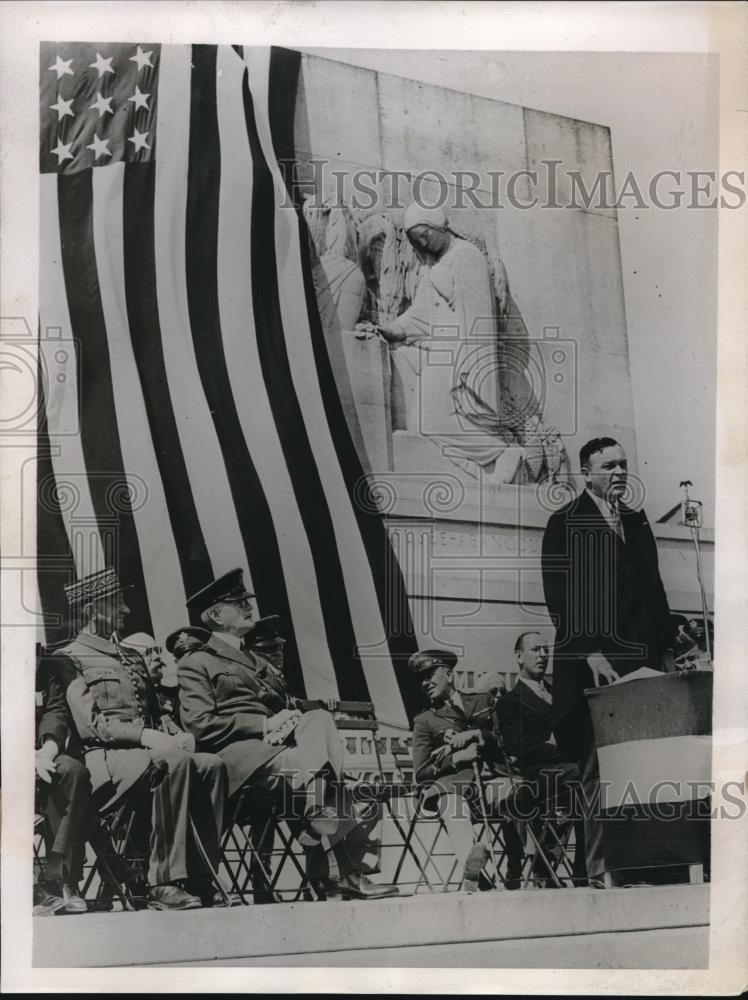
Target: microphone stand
(691, 518)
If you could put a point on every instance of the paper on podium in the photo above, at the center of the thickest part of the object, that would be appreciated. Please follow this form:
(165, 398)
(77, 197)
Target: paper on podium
(638, 675)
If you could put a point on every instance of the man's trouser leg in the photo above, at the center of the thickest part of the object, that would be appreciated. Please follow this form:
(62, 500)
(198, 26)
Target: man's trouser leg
(169, 818)
(455, 812)
(325, 856)
(317, 749)
(557, 786)
(208, 802)
(65, 813)
(495, 791)
(593, 830)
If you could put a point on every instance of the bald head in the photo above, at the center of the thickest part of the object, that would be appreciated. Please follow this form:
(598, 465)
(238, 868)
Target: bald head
(531, 654)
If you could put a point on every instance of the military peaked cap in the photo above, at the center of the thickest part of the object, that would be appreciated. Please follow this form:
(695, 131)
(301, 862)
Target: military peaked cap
(429, 659)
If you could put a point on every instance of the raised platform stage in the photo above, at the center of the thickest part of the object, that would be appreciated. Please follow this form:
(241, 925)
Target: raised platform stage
(664, 927)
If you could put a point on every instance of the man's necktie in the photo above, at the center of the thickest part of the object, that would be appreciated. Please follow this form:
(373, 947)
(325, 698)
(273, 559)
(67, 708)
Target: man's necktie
(617, 523)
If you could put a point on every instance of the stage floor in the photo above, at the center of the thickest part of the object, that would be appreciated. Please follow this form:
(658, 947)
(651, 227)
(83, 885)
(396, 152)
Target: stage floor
(639, 928)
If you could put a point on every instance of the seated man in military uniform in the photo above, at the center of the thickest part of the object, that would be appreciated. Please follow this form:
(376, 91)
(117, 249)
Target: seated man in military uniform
(130, 750)
(152, 654)
(450, 739)
(236, 704)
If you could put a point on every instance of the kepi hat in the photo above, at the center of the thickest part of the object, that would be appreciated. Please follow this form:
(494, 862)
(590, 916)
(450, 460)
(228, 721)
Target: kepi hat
(94, 587)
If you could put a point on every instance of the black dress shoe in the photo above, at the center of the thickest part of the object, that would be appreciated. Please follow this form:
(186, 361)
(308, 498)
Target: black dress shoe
(476, 861)
(208, 894)
(171, 897)
(358, 886)
(215, 898)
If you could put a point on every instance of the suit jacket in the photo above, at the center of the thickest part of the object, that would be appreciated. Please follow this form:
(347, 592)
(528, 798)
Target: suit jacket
(53, 720)
(225, 698)
(428, 735)
(111, 699)
(604, 595)
(526, 724)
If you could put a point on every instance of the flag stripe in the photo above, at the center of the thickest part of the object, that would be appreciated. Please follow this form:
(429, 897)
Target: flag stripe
(249, 387)
(391, 589)
(54, 557)
(291, 427)
(362, 532)
(61, 390)
(165, 589)
(99, 431)
(145, 333)
(255, 520)
(626, 768)
(200, 445)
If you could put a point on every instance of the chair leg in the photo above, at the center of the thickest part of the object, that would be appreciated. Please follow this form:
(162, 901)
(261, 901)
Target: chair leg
(409, 850)
(210, 870)
(231, 836)
(539, 851)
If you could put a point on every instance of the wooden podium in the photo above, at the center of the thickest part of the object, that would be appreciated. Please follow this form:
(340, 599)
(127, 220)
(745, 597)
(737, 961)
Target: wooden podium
(653, 737)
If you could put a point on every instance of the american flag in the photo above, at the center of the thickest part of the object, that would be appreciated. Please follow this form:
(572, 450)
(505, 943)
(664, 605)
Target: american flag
(192, 421)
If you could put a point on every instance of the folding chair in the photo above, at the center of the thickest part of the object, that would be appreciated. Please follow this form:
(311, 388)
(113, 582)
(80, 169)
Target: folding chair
(260, 851)
(259, 848)
(119, 863)
(556, 834)
(520, 795)
(39, 846)
(120, 840)
(402, 805)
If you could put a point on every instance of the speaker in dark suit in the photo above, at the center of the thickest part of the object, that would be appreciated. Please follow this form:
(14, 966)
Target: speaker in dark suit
(604, 592)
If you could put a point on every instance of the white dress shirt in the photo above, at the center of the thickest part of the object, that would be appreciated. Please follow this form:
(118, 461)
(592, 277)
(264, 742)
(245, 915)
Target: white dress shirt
(230, 638)
(610, 513)
(538, 688)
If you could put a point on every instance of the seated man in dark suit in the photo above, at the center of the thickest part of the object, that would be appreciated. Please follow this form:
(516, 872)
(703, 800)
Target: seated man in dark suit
(236, 705)
(525, 719)
(63, 796)
(449, 738)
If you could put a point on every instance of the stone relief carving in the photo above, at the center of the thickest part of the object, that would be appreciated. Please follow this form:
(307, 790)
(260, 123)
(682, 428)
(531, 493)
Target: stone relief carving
(380, 282)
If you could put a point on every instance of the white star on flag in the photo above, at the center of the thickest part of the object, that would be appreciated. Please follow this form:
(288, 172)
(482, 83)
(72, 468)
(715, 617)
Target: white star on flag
(62, 107)
(140, 100)
(99, 147)
(62, 151)
(138, 139)
(142, 58)
(102, 65)
(102, 105)
(62, 66)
